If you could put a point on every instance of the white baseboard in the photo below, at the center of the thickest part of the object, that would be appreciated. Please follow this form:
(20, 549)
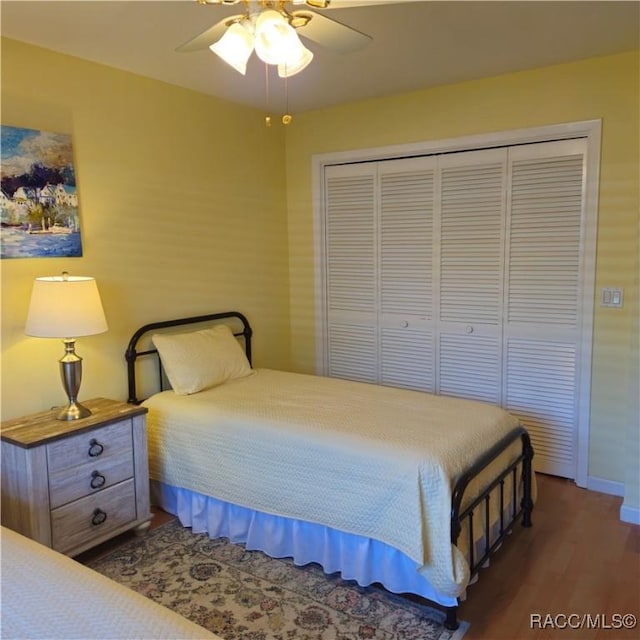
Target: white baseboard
(605, 486)
(630, 514)
(627, 513)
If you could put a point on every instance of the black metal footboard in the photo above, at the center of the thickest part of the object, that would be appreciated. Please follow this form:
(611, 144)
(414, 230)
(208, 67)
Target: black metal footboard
(524, 509)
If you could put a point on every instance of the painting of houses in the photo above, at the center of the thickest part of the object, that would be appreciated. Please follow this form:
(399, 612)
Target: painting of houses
(39, 215)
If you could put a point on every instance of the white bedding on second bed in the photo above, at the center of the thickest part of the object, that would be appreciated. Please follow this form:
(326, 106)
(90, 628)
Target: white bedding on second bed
(369, 460)
(46, 595)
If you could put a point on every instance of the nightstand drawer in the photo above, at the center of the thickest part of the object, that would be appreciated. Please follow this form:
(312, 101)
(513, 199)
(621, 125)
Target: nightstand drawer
(70, 484)
(107, 443)
(94, 515)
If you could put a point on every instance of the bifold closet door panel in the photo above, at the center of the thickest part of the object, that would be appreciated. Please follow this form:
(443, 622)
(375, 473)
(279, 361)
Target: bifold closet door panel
(470, 258)
(351, 271)
(543, 309)
(406, 193)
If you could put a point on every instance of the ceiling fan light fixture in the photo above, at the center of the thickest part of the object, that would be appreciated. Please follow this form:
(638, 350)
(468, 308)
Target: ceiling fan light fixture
(235, 47)
(276, 40)
(296, 63)
(300, 19)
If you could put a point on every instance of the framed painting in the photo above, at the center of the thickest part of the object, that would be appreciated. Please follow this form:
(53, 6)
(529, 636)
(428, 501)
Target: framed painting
(39, 214)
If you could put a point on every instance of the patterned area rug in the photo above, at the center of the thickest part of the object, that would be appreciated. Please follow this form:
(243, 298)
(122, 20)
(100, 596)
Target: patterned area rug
(246, 595)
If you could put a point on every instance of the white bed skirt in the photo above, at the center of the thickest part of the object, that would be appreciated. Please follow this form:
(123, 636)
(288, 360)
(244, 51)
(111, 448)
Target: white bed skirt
(357, 558)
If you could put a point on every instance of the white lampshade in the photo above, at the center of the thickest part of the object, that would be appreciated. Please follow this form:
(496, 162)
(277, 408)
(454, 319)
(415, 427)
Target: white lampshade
(65, 307)
(276, 40)
(235, 47)
(296, 62)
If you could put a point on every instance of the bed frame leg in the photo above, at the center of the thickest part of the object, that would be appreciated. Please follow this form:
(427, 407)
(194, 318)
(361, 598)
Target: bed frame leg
(527, 479)
(451, 621)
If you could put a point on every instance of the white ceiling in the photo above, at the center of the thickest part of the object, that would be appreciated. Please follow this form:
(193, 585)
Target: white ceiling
(416, 43)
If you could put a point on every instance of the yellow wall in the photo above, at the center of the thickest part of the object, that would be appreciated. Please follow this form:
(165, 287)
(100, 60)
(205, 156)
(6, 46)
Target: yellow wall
(184, 210)
(604, 88)
(182, 204)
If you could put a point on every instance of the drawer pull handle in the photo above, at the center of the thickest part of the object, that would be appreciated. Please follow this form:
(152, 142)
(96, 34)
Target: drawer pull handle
(97, 480)
(95, 448)
(99, 516)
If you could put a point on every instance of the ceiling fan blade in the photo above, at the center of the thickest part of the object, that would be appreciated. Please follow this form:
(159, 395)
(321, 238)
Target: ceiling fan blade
(331, 33)
(208, 37)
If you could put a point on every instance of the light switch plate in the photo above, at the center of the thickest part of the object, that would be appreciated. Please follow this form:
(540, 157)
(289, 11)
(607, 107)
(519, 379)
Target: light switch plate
(611, 297)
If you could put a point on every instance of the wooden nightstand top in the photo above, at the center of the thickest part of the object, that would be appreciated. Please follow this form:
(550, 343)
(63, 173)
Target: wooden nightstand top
(40, 428)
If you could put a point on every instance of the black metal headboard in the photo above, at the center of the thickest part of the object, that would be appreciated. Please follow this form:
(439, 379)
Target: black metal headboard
(132, 354)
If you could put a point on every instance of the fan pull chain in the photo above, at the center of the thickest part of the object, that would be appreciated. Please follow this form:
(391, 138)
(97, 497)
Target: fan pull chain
(286, 118)
(267, 119)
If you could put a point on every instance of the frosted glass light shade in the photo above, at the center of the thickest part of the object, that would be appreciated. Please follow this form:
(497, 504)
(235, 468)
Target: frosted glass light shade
(235, 47)
(276, 40)
(295, 63)
(65, 307)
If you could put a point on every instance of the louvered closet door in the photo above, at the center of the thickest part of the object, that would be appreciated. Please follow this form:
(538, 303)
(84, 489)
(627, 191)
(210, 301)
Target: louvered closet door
(471, 219)
(462, 274)
(351, 272)
(543, 297)
(379, 278)
(406, 196)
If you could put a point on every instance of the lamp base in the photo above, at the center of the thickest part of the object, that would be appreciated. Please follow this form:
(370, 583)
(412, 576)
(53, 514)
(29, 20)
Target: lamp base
(73, 411)
(71, 375)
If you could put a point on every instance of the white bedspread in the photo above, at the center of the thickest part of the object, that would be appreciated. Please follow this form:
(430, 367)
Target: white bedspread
(369, 460)
(48, 596)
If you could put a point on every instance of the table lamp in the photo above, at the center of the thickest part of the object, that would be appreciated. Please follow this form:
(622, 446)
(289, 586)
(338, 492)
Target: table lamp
(64, 306)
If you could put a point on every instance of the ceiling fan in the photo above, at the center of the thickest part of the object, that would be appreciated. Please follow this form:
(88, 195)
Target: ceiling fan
(271, 29)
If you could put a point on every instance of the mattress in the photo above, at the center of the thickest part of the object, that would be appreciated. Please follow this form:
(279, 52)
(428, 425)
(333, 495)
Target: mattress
(367, 460)
(46, 595)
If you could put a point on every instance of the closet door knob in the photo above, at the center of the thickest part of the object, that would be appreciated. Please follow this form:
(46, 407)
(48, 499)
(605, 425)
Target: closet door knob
(469, 329)
(404, 324)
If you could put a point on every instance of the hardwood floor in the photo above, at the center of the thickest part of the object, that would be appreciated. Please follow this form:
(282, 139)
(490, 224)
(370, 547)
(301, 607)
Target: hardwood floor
(578, 559)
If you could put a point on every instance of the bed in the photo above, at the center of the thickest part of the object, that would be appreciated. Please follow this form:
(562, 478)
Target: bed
(47, 595)
(409, 490)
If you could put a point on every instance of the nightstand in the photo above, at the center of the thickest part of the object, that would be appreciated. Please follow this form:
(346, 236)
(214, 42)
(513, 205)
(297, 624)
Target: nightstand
(72, 485)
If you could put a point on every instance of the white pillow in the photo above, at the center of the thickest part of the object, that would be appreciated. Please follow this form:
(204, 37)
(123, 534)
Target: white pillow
(201, 359)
